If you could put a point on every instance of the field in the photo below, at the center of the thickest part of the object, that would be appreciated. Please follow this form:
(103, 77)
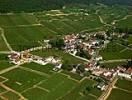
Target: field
(115, 51)
(13, 20)
(35, 83)
(109, 14)
(113, 64)
(65, 23)
(122, 91)
(67, 58)
(3, 46)
(4, 62)
(27, 37)
(125, 23)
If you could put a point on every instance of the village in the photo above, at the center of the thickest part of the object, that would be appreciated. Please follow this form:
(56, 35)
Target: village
(83, 46)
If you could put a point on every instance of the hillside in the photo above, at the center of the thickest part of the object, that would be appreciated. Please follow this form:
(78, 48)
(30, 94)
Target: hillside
(39, 5)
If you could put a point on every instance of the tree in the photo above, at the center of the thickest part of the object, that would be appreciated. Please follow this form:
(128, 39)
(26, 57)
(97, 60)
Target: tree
(67, 66)
(57, 43)
(84, 54)
(80, 69)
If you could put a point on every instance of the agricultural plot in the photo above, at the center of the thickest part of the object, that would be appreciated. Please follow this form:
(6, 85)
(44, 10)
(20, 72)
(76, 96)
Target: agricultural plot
(78, 92)
(27, 37)
(125, 23)
(34, 85)
(119, 95)
(122, 91)
(46, 69)
(114, 64)
(59, 53)
(3, 46)
(11, 96)
(4, 62)
(109, 14)
(130, 39)
(122, 84)
(17, 19)
(2, 89)
(115, 51)
(70, 22)
(20, 80)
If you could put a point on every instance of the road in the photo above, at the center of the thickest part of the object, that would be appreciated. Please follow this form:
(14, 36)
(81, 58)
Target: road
(112, 61)
(10, 68)
(79, 57)
(5, 40)
(107, 92)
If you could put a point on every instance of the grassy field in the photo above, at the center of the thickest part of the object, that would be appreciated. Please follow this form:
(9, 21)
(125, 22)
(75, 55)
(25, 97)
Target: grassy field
(125, 23)
(27, 37)
(4, 62)
(11, 96)
(72, 75)
(113, 65)
(124, 84)
(77, 93)
(122, 91)
(46, 69)
(119, 95)
(130, 39)
(69, 22)
(64, 56)
(115, 51)
(34, 85)
(20, 80)
(109, 14)
(3, 46)
(17, 19)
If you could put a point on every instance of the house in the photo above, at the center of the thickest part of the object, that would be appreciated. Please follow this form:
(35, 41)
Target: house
(108, 74)
(101, 86)
(125, 75)
(99, 58)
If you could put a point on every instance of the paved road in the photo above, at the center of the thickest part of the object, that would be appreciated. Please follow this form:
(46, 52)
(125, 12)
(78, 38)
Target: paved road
(116, 60)
(106, 93)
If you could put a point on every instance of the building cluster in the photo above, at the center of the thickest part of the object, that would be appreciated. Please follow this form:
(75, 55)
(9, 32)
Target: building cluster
(88, 42)
(25, 57)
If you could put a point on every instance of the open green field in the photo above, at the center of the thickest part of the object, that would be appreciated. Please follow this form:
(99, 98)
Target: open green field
(11, 96)
(113, 65)
(69, 22)
(36, 83)
(119, 95)
(17, 19)
(4, 62)
(3, 46)
(130, 39)
(64, 56)
(125, 23)
(122, 91)
(27, 37)
(77, 93)
(20, 80)
(124, 84)
(115, 51)
(46, 69)
(109, 14)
